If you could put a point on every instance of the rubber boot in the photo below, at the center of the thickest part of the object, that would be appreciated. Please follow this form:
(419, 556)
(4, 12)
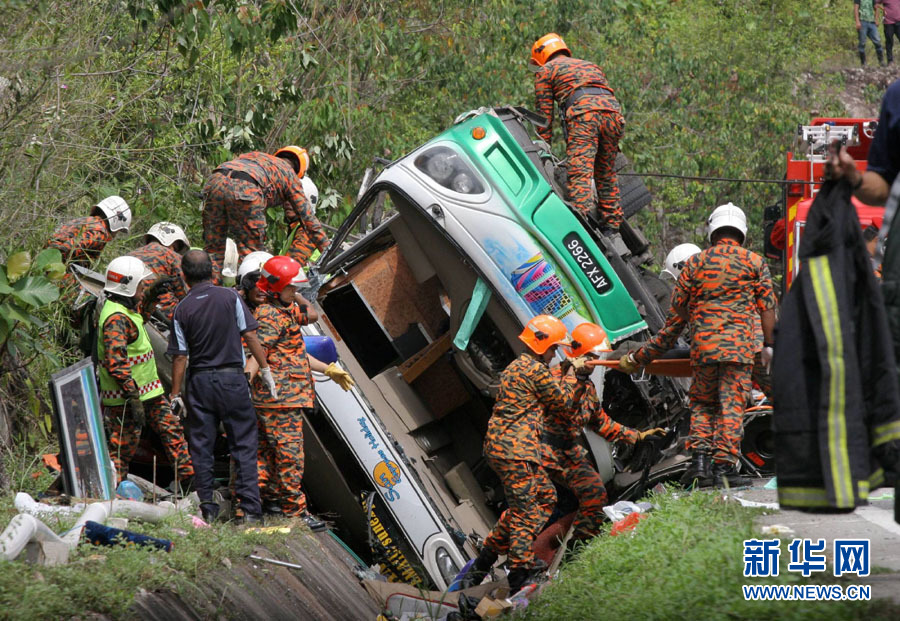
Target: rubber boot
(250, 519)
(862, 59)
(726, 473)
(880, 54)
(479, 569)
(270, 507)
(698, 473)
(518, 577)
(209, 511)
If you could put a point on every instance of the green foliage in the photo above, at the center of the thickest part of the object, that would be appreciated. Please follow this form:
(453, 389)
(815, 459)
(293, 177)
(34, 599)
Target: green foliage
(26, 290)
(685, 557)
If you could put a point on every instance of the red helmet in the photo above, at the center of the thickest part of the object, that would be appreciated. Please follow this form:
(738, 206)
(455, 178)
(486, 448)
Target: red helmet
(587, 338)
(279, 272)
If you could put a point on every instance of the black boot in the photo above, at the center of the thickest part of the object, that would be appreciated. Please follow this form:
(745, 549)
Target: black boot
(698, 473)
(727, 473)
(880, 57)
(479, 569)
(520, 576)
(250, 519)
(270, 507)
(313, 523)
(209, 511)
(862, 59)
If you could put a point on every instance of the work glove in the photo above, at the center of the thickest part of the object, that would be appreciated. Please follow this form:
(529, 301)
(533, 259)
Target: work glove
(627, 364)
(643, 435)
(766, 358)
(178, 408)
(339, 376)
(266, 375)
(137, 409)
(582, 370)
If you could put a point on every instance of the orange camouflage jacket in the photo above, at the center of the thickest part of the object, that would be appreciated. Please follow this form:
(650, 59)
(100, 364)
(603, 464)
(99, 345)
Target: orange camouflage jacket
(117, 333)
(527, 389)
(280, 335)
(81, 240)
(723, 289)
(282, 187)
(562, 429)
(165, 263)
(558, 79)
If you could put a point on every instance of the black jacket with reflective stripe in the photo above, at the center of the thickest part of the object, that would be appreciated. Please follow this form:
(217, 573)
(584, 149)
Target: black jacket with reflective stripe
(835, 381)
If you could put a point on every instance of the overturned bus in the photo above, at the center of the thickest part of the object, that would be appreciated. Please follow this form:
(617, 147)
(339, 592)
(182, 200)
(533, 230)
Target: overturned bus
(458, 244)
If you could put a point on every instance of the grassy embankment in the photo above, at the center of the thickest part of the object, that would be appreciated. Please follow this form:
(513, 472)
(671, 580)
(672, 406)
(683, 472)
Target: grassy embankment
(685, 561)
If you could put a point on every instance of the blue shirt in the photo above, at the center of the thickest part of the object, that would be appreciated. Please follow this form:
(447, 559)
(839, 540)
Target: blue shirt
(208, 325)
(884, 154)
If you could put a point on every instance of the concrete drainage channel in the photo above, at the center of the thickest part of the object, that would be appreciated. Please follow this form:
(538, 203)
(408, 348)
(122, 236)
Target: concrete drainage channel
(323, 589)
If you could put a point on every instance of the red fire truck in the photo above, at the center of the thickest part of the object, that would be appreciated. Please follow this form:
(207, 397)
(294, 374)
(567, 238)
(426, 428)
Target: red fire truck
(806, 167)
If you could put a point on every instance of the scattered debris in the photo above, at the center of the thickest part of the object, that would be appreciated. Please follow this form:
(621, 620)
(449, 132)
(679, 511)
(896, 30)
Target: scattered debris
(752, 503)
(627, 524)
(777, 529)
(275, 562)
(101, 535)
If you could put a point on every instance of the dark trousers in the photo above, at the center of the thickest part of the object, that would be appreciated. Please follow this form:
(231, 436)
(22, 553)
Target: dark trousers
(212, 397)
(891, 31)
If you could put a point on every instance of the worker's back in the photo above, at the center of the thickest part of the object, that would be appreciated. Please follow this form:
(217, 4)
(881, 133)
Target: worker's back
(723, 288)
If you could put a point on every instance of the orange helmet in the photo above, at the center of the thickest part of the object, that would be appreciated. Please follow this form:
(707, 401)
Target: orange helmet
(587, 338)
(295, 153)
(279, 272)
(543, 332)
(547, 46)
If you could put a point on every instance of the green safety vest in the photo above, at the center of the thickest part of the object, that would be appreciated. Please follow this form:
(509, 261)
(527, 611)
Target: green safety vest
(140, 359)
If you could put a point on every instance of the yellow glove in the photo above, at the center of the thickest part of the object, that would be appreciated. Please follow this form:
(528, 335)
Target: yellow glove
(628, 364)
(643, 435)
(340, 376)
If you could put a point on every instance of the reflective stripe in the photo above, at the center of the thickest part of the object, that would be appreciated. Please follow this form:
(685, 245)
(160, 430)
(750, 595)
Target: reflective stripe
(139, 359)
(826, 300)
(886, 433)
(803, 496)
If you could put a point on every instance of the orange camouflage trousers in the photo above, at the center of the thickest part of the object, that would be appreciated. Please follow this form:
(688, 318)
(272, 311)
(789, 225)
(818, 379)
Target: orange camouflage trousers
(124, 434)
(579, 476)
(591, 148)
(530, 497)
(719, 393)
(280, 458)
(232, 208)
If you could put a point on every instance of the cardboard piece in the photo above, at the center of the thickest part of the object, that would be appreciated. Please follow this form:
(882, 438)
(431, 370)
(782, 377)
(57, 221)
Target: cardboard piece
(490, 608)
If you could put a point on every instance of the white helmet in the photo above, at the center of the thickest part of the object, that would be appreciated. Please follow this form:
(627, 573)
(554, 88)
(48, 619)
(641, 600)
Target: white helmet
(167, 234)
(311, 191)
(676, 258)
(729, 215)
(123, 275)
(117, 213)
(253, 262)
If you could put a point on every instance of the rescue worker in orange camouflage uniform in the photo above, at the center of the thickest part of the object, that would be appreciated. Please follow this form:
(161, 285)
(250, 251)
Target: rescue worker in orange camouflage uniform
(130, 389)
(164, 244)
(667, 337)
(80, 241)
(236, 196)
(592, 123)
(280, 318)
(512, 446)
(566, 461)
(718, 293)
